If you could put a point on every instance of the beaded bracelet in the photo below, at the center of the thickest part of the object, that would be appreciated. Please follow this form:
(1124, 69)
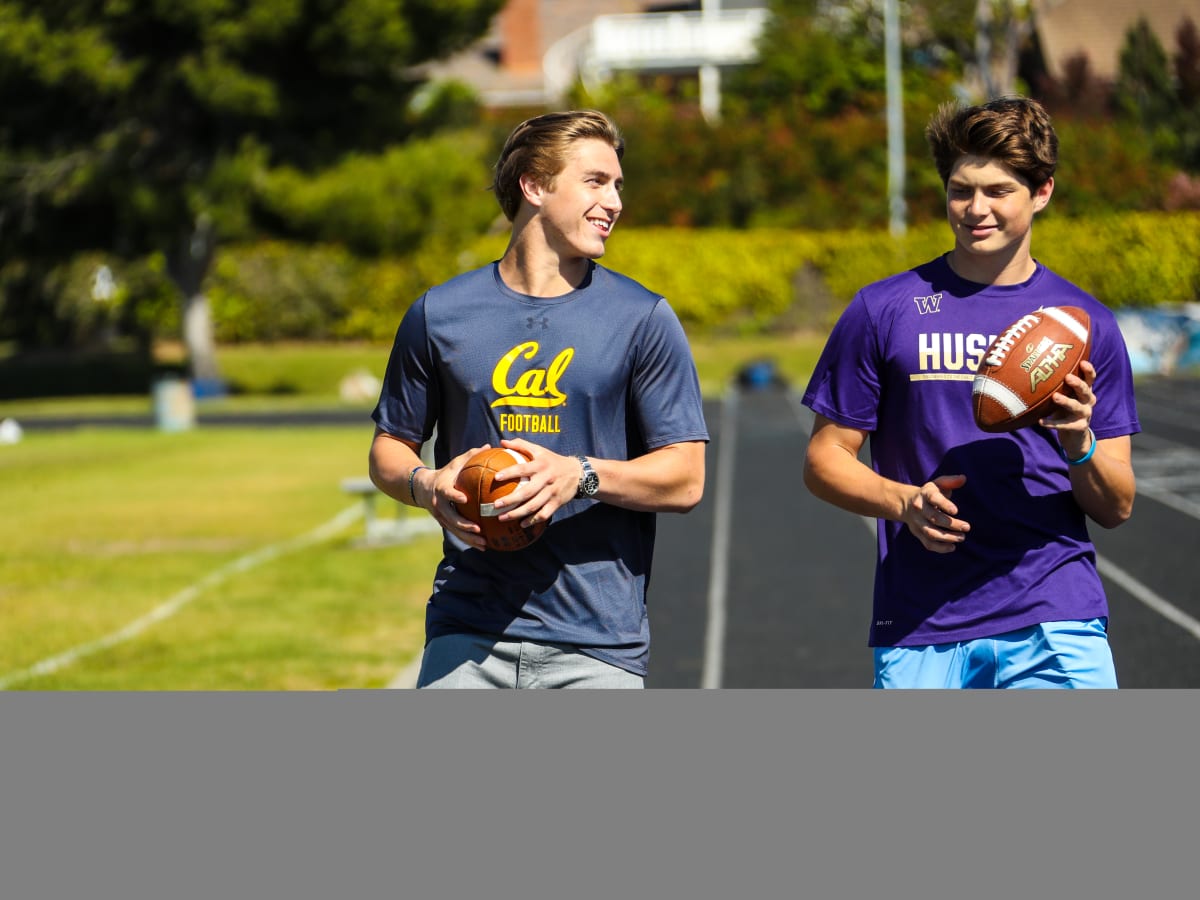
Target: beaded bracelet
(1085, 457)
(413, 474)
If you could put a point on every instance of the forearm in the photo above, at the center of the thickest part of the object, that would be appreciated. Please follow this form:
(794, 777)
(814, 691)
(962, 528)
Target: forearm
(391, 464)
(1104, 486)
(834, 473)
(669, 479)
(842, 479)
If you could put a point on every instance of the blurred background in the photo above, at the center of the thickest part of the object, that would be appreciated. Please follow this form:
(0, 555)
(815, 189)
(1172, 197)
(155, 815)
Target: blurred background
(214, 214)
(181, 178)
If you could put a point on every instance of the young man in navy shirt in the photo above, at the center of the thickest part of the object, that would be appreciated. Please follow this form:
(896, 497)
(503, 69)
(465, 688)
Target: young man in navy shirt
(586, 371)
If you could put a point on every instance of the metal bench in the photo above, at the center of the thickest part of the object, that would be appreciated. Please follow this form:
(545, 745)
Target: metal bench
(383, 530)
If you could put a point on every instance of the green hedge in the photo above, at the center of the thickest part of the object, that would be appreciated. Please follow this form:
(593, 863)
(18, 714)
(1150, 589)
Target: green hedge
(719, 281)
(759, 280)
(73, 373)
(1142, 259)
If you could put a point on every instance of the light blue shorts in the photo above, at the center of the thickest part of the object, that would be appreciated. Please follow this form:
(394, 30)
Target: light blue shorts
(482, 661)
(1050, 655)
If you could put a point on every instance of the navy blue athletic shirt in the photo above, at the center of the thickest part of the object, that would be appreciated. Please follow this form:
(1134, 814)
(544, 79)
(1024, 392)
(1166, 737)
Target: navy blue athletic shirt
(603, 371)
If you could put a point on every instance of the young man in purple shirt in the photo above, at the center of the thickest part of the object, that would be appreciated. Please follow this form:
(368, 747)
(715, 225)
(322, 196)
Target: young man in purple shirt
(985, 574)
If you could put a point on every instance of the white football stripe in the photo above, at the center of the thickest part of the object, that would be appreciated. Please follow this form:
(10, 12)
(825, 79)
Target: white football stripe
(999, 392)
(517, 457)
(1068, 321)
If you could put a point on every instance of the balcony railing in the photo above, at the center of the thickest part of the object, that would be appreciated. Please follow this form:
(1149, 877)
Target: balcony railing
(653, 42)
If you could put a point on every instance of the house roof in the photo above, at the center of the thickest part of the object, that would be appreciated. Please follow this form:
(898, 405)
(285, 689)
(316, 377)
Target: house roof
(1097, 28)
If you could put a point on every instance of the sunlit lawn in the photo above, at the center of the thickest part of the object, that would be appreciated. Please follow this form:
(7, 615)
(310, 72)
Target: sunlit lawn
(102, 527)
(105, 527)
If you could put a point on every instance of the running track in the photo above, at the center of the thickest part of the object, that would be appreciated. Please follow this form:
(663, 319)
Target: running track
(763, 586)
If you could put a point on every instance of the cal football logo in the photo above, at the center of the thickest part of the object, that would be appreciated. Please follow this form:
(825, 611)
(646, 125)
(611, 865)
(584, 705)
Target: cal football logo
(533, 388)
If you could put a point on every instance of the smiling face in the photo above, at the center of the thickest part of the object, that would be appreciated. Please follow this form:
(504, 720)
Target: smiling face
(579, 209)
(991, 210)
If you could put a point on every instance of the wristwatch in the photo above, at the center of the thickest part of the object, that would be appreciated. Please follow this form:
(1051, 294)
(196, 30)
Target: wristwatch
(589, 481)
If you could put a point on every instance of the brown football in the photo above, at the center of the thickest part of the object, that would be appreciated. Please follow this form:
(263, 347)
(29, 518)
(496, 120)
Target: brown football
(1026, 364)
(476, 480)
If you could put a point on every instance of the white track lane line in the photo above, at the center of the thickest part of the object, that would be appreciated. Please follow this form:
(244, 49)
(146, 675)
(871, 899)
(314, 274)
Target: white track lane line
(714, 634)
(177, 602)
(1163, 467)
(718, 574)
(1140, 592)
(1179, 418)
(806, 417)
(1105, 567)
(714, 638)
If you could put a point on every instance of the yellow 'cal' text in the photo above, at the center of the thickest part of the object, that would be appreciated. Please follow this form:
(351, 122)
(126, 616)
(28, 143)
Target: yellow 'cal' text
(534, 388)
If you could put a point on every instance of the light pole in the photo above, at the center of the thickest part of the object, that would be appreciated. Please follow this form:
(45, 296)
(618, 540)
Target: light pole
(895, 118)
(710, 75)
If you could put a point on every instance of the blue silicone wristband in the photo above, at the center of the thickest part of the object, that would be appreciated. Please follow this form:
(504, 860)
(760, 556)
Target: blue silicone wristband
(1085, 457)
(413, 474)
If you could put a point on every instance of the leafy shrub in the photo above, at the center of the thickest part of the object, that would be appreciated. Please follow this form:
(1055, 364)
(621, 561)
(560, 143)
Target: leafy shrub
(425, 190)
(1142, 259)
(91, 300)
(273, 291)
(718, 280)
(752, 281)
(1105, 167)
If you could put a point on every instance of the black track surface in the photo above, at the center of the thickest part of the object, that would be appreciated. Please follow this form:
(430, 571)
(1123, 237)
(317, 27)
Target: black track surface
(799, 571)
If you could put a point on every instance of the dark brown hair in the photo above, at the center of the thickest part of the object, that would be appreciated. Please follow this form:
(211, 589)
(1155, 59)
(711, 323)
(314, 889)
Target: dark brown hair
(541, 147)
(1015, 131)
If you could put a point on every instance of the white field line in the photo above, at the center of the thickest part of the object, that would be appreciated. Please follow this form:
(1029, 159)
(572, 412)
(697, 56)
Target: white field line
(718, 574)
(406, 678)
(177, 602)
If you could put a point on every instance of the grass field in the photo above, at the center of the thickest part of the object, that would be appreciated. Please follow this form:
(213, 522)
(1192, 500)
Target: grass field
(139, 560)
(104, 527)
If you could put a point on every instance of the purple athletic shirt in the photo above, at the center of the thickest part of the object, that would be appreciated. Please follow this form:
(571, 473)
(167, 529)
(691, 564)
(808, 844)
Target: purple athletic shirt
(899, 364)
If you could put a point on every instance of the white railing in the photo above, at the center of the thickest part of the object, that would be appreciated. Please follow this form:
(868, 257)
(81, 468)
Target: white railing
(653, 41)
(682, 39)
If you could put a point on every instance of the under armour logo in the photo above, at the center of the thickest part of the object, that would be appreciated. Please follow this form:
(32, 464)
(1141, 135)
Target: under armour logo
(534, 320)
(927, 305)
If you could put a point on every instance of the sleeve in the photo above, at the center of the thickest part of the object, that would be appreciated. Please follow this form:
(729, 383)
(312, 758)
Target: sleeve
(1115, 413)
(666, 388)
(409, 397)
(846, 384)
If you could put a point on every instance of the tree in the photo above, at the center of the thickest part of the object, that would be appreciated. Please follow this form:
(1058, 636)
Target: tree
(141, 127)
(1001, 29)
(1186, 61)
(1143, 90)
(1162, 94)
(819, 58)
